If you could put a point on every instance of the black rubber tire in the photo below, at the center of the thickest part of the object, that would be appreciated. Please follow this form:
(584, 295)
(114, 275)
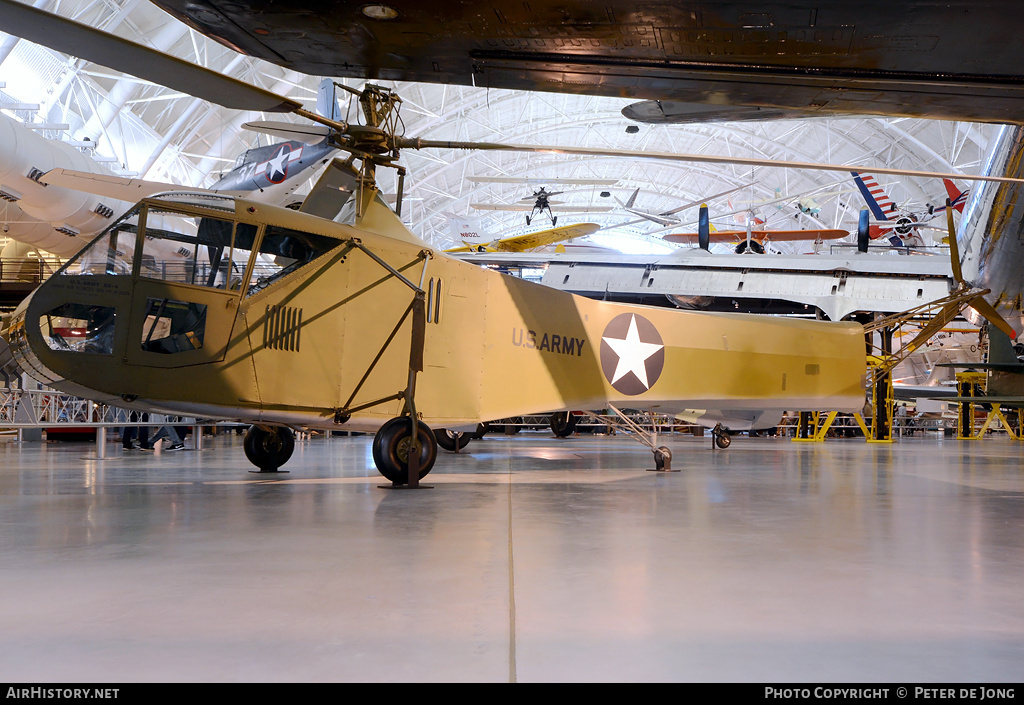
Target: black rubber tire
(269, 450)
(723, 440)
(755, 247)
(563, 423)
(482, 429)
(391, 449)
(452, 440)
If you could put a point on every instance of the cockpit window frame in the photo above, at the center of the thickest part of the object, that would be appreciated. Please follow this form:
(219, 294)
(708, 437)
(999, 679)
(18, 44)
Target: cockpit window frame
(216, 206)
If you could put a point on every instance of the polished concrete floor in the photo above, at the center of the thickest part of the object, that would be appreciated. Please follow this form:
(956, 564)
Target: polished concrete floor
(531, 559)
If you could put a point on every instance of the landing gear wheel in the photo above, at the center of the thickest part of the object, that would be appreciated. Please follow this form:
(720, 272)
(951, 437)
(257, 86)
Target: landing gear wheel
(453, 441)
(481, 430)
(663, 460)
(391, 448)
(722, 438)
(755, 247)
(563, 423)
(268, 449)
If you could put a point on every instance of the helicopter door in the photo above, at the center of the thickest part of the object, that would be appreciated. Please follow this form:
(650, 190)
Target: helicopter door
(186, 294)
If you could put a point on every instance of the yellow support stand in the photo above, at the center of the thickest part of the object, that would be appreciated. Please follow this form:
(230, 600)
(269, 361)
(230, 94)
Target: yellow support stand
(808, 430)
(882, 401)
(863, 425)
(996, 413)
(970, 385)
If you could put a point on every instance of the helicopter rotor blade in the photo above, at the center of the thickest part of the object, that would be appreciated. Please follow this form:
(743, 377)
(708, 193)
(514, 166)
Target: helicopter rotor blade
(70, 37)
(416, 143)
(289, 130)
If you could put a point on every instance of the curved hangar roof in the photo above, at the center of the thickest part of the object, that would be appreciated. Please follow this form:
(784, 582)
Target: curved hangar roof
(143, 129)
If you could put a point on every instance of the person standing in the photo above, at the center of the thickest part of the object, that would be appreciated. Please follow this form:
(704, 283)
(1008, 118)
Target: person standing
(129, 433)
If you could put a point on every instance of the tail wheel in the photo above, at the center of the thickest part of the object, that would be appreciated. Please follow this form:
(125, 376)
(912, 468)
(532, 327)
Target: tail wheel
(268, 449)
(481, 430)
(391, 447)
(723, 440)
(563, 423)
(452, 440)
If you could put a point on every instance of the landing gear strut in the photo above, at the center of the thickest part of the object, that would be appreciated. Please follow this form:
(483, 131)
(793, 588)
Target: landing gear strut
(662, 455)
(269, 448)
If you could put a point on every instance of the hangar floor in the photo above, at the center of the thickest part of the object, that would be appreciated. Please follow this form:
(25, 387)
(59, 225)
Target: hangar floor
(532, 559)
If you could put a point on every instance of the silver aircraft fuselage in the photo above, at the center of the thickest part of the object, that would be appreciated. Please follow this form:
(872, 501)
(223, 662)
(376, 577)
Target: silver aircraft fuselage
(991, 234)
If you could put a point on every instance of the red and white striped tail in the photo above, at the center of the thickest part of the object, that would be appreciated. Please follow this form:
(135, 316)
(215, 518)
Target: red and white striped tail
(883, 201)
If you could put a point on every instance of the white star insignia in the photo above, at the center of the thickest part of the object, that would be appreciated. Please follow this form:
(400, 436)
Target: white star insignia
(633, 354)
(276, 165)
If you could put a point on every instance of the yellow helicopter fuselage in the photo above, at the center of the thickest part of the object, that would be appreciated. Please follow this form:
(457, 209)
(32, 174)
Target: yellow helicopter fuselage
(330, 343)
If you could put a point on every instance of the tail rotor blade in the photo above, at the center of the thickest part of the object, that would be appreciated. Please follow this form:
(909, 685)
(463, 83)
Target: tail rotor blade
(704, 228)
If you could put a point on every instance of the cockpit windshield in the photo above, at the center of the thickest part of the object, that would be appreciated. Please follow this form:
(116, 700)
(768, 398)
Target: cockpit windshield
(110, 253)
(207, 250)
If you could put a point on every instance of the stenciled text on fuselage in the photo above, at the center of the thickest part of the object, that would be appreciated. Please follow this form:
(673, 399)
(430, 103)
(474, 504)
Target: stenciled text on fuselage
(561, 344)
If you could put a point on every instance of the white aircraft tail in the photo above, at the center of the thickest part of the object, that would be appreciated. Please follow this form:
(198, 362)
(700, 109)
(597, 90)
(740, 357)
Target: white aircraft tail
(327, 101)
(467, 231)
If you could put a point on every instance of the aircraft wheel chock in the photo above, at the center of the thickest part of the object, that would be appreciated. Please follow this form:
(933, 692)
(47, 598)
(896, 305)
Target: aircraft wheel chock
(722, 439)
(452, 440)
(268, 449)
(563, 423)
(391, 448)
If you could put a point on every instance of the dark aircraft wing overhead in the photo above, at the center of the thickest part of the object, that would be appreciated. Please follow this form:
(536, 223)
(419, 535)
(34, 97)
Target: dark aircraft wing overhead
(668, 112)
(94, 45)
(957, 59)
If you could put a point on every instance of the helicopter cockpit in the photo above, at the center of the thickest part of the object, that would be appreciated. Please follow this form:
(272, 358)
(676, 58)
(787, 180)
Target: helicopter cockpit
(160, 287)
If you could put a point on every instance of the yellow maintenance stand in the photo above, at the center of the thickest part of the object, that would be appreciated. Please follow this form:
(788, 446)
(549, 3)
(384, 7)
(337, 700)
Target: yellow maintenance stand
(929, 319)
(971, 385)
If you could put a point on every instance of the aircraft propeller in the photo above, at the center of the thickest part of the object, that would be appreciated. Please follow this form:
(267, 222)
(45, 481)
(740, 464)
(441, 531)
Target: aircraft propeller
(979, 304)
(863, 230)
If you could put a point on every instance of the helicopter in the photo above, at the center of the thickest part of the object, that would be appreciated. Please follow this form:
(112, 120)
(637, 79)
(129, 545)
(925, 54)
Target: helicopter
(290, 320)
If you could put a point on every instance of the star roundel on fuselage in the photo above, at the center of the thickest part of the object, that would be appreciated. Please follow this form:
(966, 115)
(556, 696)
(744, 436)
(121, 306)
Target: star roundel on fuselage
(632, 354)
(277, 167)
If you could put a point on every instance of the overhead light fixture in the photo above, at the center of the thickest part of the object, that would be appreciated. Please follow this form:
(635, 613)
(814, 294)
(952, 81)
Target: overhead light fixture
(379, 12)
(632, 129)
(604, 194)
